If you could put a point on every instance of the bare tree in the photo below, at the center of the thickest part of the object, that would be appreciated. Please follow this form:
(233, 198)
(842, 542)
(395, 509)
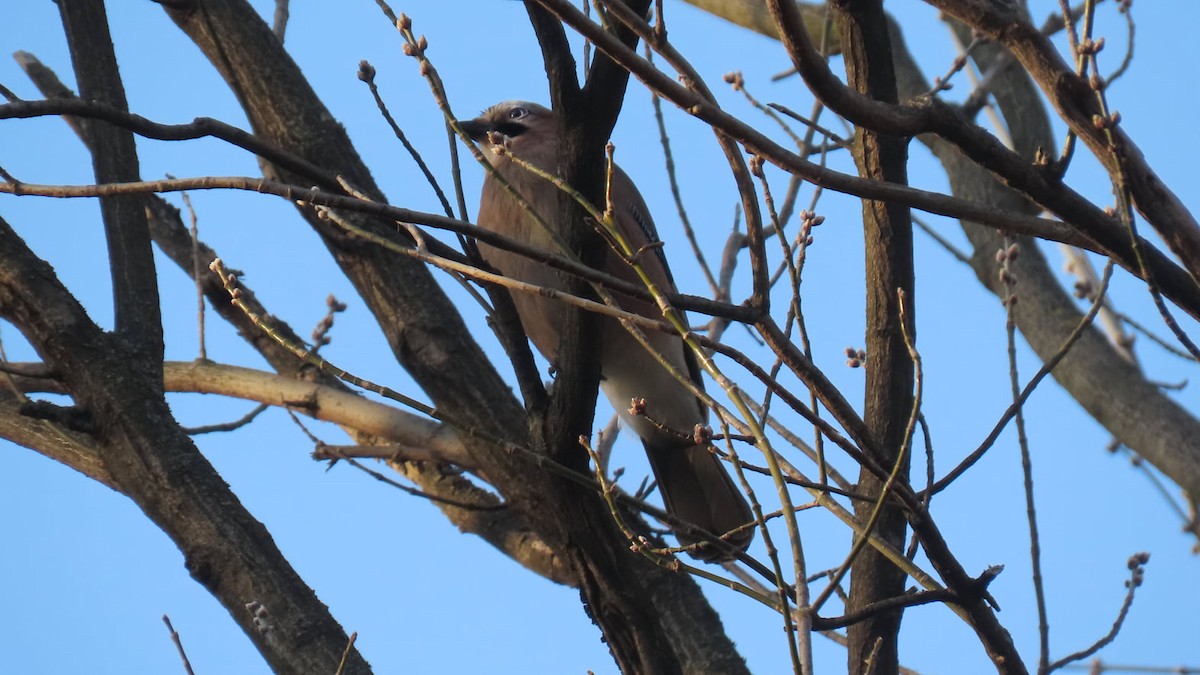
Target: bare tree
(521, 473)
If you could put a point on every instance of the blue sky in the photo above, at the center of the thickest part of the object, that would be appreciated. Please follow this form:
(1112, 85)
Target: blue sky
(89, 577)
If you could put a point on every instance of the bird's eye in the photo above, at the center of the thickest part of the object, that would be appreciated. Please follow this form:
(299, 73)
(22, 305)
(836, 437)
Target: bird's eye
(517, 113)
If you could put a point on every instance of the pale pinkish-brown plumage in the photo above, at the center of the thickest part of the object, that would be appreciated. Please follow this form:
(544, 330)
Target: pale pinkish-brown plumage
(695, 486)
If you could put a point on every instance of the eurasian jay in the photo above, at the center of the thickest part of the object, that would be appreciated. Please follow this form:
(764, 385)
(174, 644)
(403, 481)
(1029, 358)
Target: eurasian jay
(694, 485)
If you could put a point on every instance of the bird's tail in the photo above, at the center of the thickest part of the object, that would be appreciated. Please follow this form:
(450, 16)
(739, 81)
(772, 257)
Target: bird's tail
(696, 489)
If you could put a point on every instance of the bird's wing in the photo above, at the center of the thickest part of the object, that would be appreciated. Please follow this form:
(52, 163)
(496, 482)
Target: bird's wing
(633, 218)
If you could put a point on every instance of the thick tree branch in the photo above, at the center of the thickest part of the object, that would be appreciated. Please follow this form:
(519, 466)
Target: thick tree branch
(1084, 224)
(1076, 104)
(430, 340)
(640, 638)
(507, 531)
(135, 287)
(1135, 410)
(72, 448)
(152, 461)
(873, 642)
(116, 378)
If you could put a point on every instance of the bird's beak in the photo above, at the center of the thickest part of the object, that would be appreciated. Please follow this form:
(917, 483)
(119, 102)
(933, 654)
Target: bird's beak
(477, 129)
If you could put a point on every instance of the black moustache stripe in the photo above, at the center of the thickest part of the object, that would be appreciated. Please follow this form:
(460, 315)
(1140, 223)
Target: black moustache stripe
(511, 129)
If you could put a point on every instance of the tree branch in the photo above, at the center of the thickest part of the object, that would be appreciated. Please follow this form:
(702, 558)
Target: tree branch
(430, 340)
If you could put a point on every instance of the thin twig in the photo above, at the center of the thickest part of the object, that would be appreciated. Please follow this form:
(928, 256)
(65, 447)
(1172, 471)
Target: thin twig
(320, 334)
(1098, 667)
(663, 558)
(346, 653)
(944, 242)
(797, 626)
(812, 124)
(673, 179)
(1079, 265)
(1170, 348)
(1007, 256)
(1107, 121)
(187, 665)
(1130, 34)
(197, 272)
(228, 426)
(366, 73)
(279, 26)
(400, 486)
(1137, 573)
(1045, 370)
(1147, 470)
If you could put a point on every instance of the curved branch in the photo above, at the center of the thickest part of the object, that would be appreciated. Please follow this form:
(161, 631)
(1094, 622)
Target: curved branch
(150, 459)
(1075, 101)
(69, 447)
(294, 193)
(1135, 410)
(506, 531)
(430, 340)
(200, 127)
(440, 442)
(1085, 225)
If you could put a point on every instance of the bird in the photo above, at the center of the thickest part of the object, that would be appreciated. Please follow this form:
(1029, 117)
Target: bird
(694, 485)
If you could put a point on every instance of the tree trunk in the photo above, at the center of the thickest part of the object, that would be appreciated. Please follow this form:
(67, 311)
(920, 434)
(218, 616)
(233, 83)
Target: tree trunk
(872, 643)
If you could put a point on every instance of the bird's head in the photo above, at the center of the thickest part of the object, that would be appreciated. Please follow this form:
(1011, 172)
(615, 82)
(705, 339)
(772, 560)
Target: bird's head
(526, 129)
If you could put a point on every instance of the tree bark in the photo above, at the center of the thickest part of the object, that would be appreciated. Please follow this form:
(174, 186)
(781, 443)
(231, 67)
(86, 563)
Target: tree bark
(873, 643)
(115, 380)
(654, 620)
